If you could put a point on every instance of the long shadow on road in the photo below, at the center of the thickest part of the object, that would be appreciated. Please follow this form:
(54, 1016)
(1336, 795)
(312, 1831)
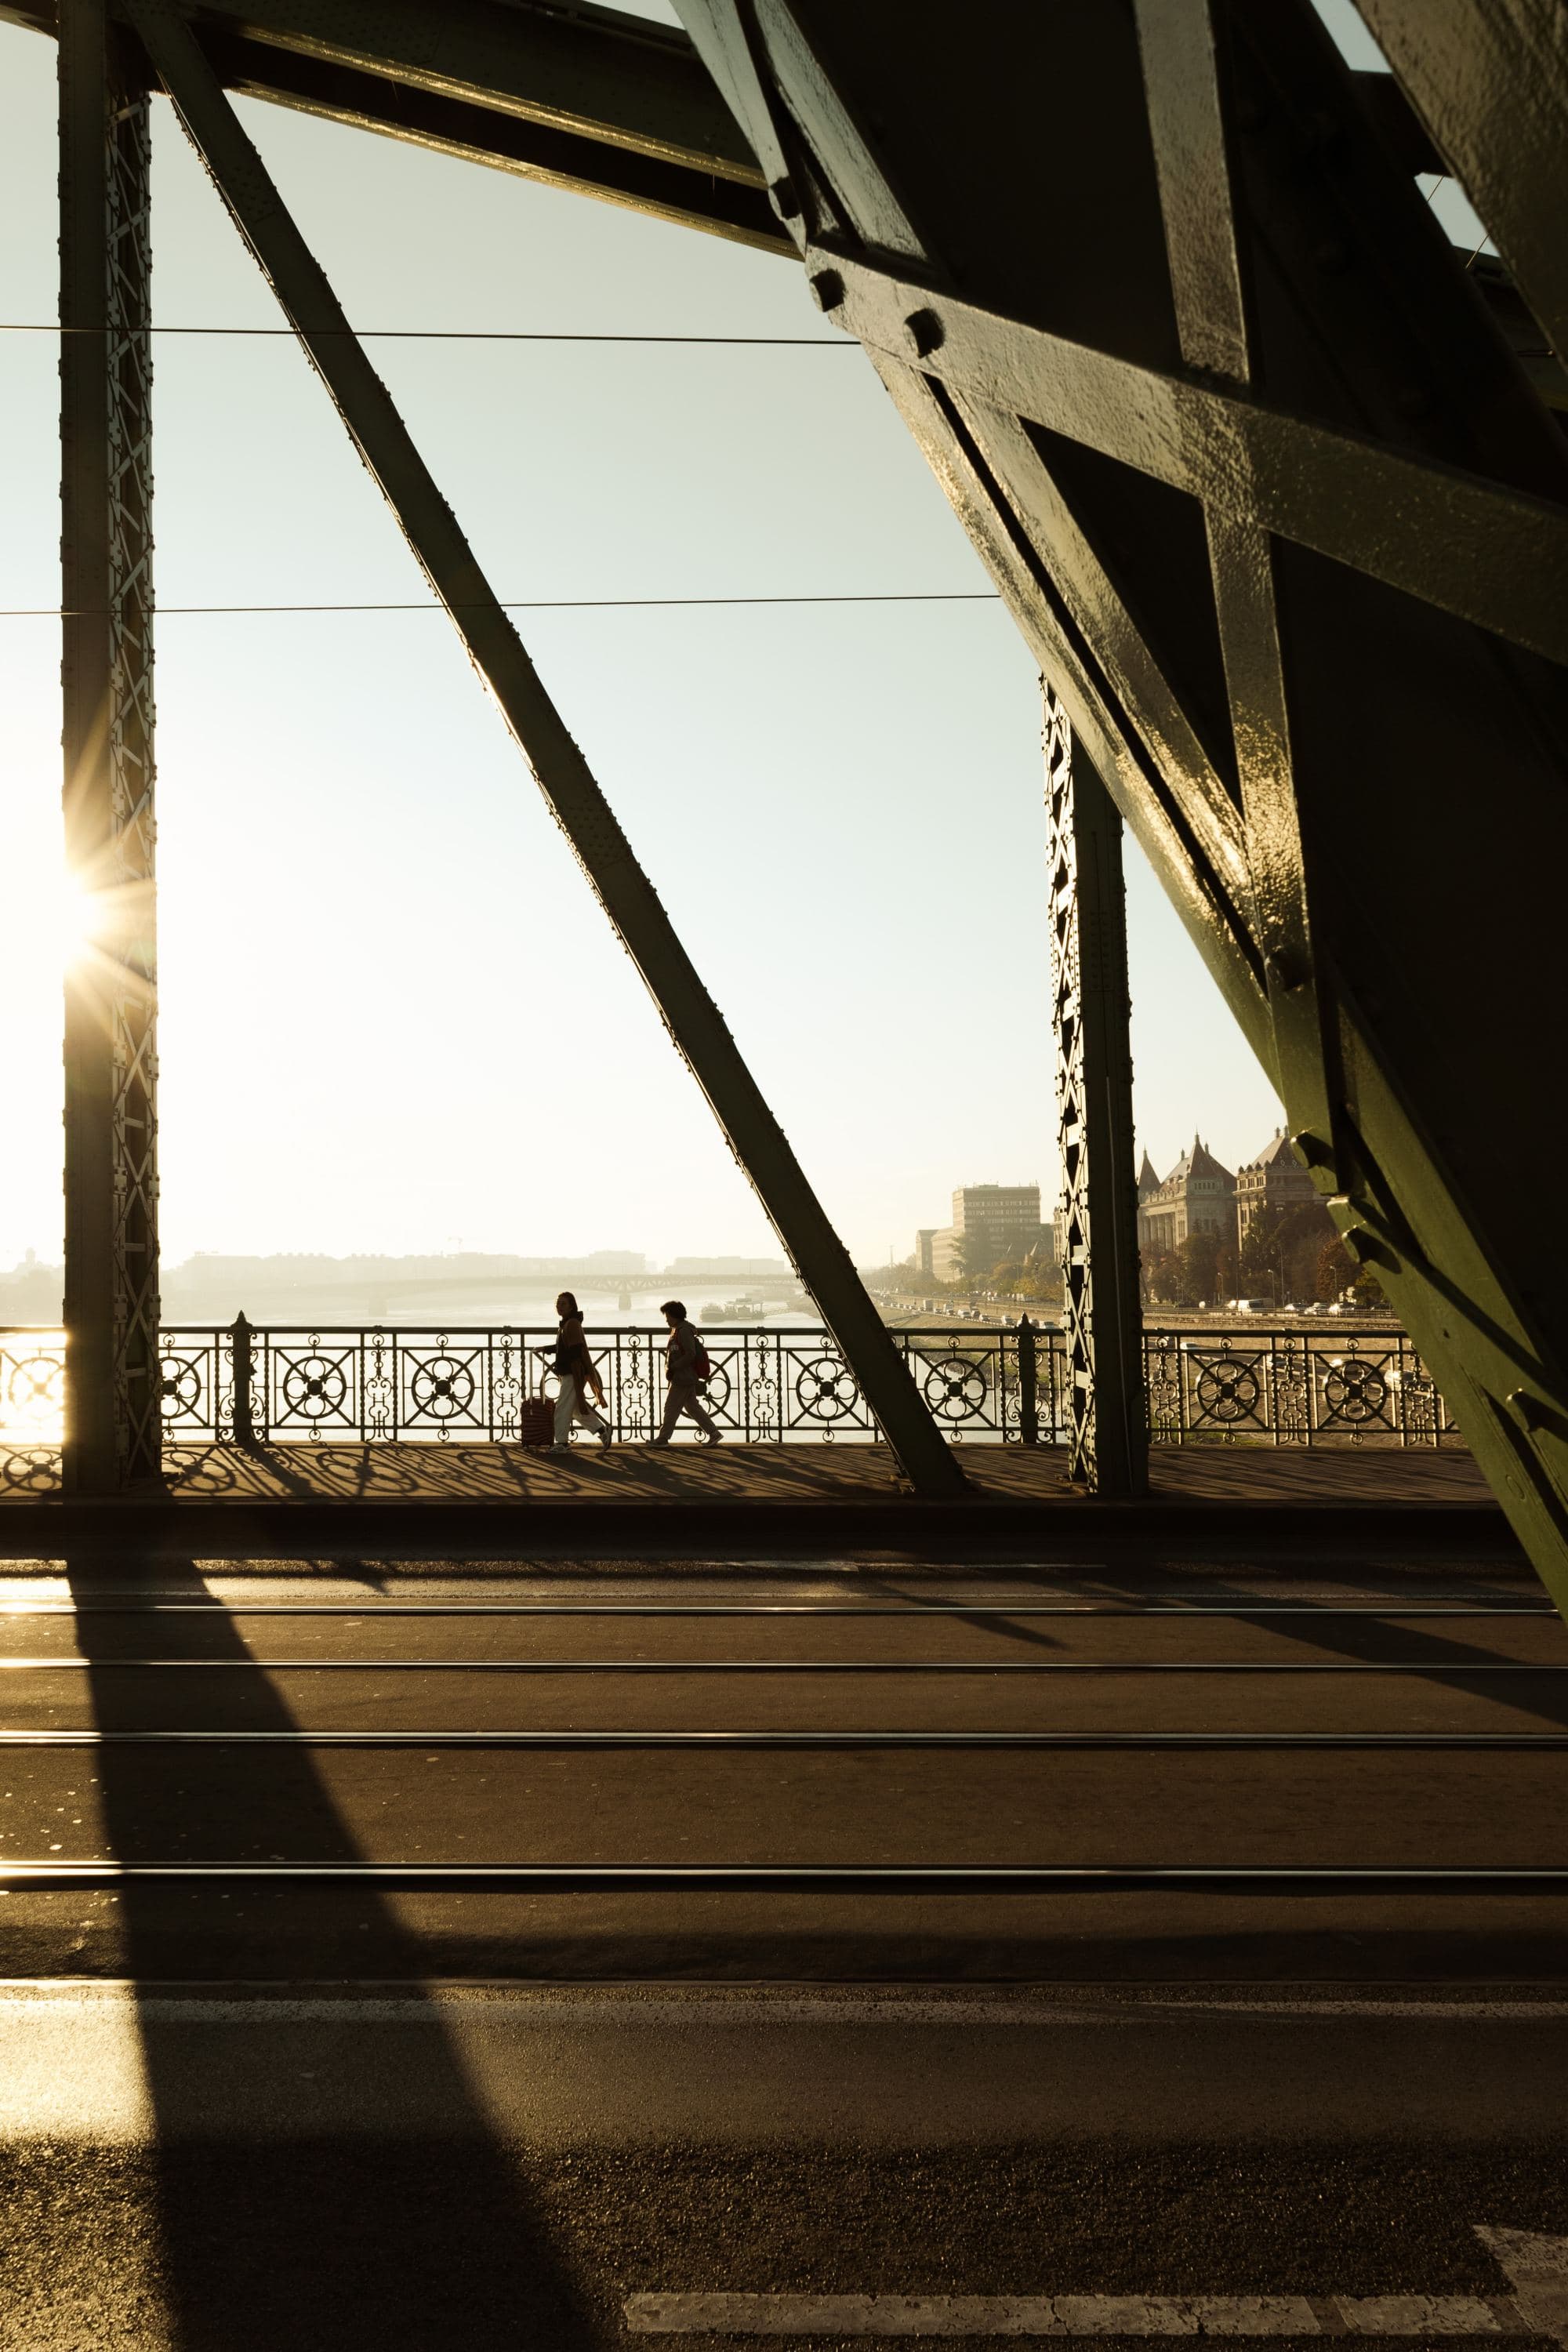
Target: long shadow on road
(315, 2236)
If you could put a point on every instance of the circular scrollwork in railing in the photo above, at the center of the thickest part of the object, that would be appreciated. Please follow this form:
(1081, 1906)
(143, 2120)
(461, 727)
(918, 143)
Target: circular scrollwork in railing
(1355, 1392)
(717, 1389)
(34, 1395)
(29, 1469)
(825, 1390)
(179, 1388)
(442, 1387)
(1227, 1390)
(956, 1389)
(314, 1387)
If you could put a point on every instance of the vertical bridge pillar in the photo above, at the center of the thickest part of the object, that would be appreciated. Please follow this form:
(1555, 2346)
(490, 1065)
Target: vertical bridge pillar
(1097, 1242)
(110, 1166)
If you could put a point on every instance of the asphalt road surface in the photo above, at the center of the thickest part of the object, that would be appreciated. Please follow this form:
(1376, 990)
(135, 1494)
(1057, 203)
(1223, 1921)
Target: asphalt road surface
(238, 2111)
(490, 2168)
(1374, 1718)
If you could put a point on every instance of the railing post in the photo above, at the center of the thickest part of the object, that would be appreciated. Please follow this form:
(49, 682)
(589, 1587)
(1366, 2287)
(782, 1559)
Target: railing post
(244, 1375)
(1028, 1388)
(1098, 1240)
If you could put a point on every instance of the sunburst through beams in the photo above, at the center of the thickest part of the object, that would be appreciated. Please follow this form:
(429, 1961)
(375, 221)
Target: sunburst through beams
(67, 927)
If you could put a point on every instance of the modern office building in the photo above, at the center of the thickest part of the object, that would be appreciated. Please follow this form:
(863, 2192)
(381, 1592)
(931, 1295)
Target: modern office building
(1004, 1219)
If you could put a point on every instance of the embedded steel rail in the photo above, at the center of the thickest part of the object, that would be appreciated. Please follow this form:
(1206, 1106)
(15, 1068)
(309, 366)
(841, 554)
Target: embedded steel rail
(368, 1609)
(1429, 1666)
(297, 1737)
(782, 1877)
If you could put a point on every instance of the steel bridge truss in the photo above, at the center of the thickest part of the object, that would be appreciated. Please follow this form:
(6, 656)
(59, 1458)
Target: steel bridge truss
(110, 1039)
(1097, 1227)
(573, 796)
(1273, 498)
(1270, 481)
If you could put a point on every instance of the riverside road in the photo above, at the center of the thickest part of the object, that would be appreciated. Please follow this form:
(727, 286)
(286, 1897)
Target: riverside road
(269, 2076)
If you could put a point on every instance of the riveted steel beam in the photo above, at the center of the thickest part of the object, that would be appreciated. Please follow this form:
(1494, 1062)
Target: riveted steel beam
(1487, 554)
(588, 100)
(570, 789)
(1097, 1241)
(1286, 521)
(113, 1433)
(620, 79)
(1488, 80)
(1182, 77)
(471, 132)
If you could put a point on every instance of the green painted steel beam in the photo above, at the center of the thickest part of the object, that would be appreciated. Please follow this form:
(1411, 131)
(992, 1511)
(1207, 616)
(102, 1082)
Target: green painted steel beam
(1262, 479)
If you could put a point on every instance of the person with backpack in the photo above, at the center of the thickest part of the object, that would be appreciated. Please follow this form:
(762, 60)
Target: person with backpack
(686, 1368)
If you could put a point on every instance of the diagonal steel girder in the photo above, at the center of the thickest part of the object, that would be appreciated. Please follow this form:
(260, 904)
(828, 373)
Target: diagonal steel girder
(570, 789)
(1286, 525)
(590, 99)
(1488, 79)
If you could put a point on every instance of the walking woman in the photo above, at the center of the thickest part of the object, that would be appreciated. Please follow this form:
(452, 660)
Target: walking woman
(574, 1370)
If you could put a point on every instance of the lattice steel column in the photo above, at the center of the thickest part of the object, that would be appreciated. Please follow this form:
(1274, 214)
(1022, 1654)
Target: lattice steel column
(111, 1165)
(1097, 1241)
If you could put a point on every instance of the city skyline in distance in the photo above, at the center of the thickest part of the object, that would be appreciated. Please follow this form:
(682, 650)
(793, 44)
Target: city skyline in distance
(457, 1253)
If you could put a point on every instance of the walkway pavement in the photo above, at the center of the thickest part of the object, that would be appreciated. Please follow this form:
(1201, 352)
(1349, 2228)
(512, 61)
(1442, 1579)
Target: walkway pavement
(842, 1475)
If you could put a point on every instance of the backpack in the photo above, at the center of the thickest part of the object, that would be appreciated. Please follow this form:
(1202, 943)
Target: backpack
(703, 1363)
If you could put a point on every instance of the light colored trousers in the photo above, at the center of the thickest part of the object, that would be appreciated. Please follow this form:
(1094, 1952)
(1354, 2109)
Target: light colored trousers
(570, 1407)
(681, 1397)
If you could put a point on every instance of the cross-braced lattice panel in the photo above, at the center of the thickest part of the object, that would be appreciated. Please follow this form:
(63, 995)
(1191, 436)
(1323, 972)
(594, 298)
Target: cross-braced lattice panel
(139, 1392)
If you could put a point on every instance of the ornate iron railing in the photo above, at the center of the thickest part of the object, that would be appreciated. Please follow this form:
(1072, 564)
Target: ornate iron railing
(767, 1387)
(1324, 1387)
(32, 1410)
(243, 1384)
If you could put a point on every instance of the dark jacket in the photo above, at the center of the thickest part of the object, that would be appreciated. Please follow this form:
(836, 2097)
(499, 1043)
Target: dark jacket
(681, 1357)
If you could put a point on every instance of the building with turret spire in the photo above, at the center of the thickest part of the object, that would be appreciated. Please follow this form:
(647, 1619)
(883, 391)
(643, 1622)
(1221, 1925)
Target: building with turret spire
(1198, 1196)
(1274, 1179)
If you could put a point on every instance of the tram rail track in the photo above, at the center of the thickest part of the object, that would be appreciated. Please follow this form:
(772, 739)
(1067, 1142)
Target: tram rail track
(148, 1813)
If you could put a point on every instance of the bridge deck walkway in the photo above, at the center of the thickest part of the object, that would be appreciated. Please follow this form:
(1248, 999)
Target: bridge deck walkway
(843, 1474)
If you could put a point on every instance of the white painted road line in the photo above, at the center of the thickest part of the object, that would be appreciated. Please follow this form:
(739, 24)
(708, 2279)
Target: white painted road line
(1537, 2269)
(1236, 2315)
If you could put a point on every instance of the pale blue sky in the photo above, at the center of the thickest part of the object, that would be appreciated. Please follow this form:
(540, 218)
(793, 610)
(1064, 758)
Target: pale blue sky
(392, 1013)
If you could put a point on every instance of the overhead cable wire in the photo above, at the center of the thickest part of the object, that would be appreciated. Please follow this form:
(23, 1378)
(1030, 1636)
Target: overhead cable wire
(447, 335)
(537, 604)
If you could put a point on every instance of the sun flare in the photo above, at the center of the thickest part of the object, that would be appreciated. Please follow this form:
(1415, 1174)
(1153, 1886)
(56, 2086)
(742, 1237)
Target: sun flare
(54, 927)
(75, 919)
